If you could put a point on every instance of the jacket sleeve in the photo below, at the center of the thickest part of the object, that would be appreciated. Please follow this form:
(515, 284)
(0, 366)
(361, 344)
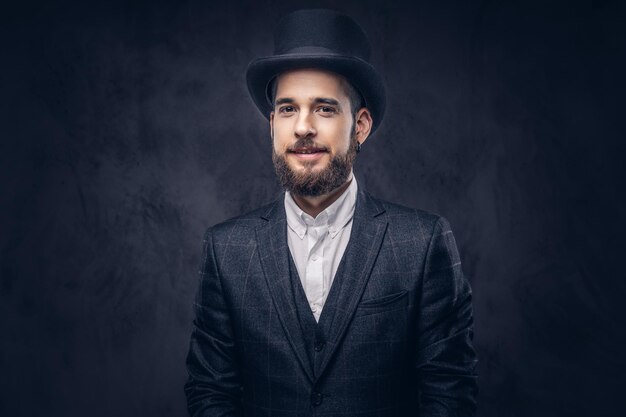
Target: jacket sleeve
(446, 361)
(213, 387)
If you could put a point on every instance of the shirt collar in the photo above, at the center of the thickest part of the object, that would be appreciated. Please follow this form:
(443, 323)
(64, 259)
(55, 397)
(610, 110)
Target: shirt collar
(336, 216)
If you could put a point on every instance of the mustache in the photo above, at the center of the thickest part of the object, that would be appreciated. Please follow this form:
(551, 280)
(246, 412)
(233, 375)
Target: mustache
(305, 143)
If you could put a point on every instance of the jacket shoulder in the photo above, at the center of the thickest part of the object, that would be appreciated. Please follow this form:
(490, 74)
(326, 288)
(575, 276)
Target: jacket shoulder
(405, 219)
(239, 227)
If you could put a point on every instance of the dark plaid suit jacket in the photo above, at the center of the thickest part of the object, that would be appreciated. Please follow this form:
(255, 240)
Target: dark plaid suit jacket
(400, 333)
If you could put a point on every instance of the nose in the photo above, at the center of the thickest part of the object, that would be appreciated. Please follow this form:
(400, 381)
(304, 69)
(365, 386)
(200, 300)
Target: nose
(304, 127)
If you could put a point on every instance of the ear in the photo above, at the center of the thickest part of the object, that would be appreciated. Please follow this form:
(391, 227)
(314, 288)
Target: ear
(272, 125)
(363, 124)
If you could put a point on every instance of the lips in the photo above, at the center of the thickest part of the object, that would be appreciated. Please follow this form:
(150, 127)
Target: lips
(307, 153)
(307, 150)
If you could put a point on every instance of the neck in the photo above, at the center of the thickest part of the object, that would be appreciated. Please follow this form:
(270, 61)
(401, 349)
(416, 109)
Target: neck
(314, 205)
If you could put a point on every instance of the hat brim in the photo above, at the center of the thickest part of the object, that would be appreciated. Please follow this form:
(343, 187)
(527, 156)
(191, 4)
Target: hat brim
(358, 72)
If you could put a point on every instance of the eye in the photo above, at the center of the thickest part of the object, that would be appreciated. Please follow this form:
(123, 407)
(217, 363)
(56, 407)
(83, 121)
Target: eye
(286, 109)
(327, 109)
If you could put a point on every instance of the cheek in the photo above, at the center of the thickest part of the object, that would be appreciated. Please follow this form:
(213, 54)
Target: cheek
(279, 146)
(281, 136)
(341, 136)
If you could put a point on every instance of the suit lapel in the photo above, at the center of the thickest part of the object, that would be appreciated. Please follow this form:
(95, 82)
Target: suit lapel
(274, 254)
(365, 241)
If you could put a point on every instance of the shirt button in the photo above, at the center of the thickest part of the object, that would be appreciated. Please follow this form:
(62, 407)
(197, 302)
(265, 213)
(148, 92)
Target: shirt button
(314, 257)
(314, 308)
(316, 398)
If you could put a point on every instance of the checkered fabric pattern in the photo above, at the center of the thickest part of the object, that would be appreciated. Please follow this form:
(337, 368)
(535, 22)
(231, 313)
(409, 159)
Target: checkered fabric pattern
(399, 328)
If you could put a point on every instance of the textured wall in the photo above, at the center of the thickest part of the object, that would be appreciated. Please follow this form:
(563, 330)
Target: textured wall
(127, 130)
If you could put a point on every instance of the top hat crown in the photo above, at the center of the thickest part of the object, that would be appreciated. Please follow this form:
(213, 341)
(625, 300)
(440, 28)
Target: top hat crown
(324, 39)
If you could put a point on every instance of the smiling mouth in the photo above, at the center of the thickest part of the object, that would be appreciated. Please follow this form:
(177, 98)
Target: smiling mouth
(307, 151)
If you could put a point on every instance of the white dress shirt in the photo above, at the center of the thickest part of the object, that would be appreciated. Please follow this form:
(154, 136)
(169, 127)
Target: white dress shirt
(318, 244)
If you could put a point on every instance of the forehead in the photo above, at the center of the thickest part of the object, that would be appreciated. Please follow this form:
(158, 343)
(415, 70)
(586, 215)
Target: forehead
(311, 82)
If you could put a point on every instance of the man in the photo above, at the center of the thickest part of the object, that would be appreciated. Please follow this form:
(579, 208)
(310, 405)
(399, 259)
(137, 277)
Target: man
(328, 301)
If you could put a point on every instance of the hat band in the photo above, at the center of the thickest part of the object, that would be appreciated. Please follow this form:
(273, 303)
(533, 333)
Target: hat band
(301, 50)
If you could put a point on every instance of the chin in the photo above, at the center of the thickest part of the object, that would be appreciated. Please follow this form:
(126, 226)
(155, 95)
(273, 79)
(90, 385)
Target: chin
(299, 165)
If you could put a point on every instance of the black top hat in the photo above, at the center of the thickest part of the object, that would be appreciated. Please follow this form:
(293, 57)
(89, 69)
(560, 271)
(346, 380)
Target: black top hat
(319, 39)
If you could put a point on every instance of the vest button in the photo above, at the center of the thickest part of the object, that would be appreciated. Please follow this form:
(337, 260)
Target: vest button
(319, 346)
(316, 398)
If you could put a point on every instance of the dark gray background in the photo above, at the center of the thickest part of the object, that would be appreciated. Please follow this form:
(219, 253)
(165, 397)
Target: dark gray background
(127, 130)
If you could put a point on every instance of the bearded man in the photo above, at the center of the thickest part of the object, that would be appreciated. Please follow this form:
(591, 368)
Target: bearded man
(328, 301)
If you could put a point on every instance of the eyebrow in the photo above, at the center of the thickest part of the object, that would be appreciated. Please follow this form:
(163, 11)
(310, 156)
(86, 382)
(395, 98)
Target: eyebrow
(283, 101)
(316, 100)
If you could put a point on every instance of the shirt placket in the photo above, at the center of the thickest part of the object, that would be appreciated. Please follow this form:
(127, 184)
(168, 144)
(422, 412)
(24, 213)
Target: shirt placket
(315, 268)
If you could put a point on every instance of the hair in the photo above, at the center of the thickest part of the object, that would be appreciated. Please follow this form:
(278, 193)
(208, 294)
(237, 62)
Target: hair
(355, 98)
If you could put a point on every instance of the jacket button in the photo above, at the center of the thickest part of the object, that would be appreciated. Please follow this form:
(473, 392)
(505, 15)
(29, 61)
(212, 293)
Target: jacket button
(319, 346)
(316, 398)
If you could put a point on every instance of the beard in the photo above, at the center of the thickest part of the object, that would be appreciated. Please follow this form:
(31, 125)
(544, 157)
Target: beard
(308, 183)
